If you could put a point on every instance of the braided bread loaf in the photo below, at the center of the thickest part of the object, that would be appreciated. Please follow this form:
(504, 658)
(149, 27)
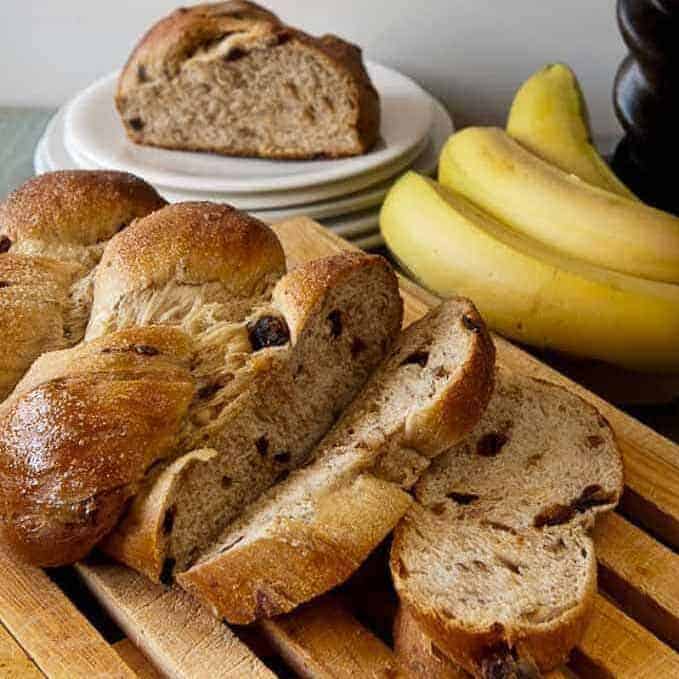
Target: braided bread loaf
(205, 375)
(205, 372)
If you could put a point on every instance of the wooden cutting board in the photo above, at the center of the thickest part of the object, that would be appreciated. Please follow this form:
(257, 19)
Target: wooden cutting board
(634, 630)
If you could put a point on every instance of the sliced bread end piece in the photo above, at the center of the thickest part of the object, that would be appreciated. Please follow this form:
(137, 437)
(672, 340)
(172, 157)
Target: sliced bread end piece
(424, 660)
(312, 532)
(494, 561)
(488, 597)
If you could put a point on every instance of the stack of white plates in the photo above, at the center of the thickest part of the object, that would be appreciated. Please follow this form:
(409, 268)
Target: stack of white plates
(343, 194)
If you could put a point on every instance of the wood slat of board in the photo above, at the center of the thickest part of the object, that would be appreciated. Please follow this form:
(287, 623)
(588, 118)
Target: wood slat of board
(616, 646)
(173, 630)
(651, 461)
(59, 640)
(640, 574)
(13, 659)
(136, 660)
(323, 640)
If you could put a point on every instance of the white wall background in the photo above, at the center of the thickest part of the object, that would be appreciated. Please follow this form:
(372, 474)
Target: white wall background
(471, 53)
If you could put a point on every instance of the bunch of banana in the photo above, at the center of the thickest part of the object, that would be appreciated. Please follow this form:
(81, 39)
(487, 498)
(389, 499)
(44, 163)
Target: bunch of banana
(534, 227)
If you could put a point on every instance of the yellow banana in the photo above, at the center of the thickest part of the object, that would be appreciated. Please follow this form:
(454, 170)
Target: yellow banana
(549, 117)
(488, 167)
(523, 289)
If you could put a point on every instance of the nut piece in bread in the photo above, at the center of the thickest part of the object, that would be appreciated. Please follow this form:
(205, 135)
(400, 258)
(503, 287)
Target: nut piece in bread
(311, 532)
(53, 230)
(81, 432)
(494, 561)
(230, 78)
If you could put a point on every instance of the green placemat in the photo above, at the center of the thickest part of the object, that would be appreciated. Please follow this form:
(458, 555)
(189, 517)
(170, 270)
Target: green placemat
(20, 130)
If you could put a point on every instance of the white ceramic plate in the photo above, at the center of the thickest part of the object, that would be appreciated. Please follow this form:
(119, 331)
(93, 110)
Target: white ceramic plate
(361, 228)
(94, 130)
(51, 154)
(359, 224)
(279, 199)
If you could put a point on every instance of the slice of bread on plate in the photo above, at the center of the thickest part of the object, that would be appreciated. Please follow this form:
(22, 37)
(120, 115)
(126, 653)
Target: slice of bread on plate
(494, 562)
(230, 78)
(312, 531)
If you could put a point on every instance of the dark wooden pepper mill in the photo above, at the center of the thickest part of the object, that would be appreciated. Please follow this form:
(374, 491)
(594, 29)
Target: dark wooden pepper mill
(646, 97)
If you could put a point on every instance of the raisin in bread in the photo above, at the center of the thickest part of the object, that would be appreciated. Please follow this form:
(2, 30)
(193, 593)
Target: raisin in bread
(495, 561)
(311, 532)
(230, 78)
(270, 359)
(52, 232)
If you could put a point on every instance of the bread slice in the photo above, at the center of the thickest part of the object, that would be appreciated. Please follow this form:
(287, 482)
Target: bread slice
(312, 531)
(230, 78)
(268, 388)
(52, 232)
(494, 561)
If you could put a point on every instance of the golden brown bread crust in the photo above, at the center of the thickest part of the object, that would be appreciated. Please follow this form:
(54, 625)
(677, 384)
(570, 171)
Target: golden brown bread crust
(418, 653)
(189, 243)
(168, 42)
(424, 659)
(450, 417)
(79, 207)
(174, 38)
(80, 433)
(300, 292)
(53, 230)
(548, 647)
(198, 242)
(302, 560)
(34, 300)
